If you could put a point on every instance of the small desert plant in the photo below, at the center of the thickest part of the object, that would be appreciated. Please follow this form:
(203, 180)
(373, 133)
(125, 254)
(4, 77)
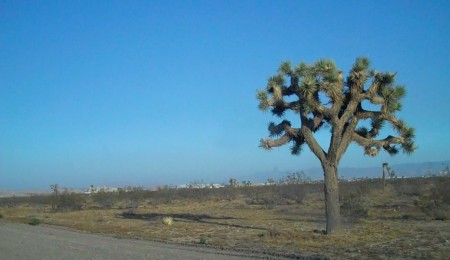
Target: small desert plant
(270, 233)
(1, 216)
(434, 208)
(10, 202)
(136, 195)
(229, 193)
(267, 201)
(409, 189)
(129, 213)
(436, 203)
(440, 214)
(165, 195)
(168, 221)
(34, 221)
(355, 206)
(273, 195)
(66, 201)
(105, 199)
(292, 192)
(202, 240)
(38, 200)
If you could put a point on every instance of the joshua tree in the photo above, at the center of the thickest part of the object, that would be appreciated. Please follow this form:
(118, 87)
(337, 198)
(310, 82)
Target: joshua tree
(246, 183)
(270, 181)
(354, 109)
(55, 188)
(233, 182)
(386, 169)
(392, 174)
(55, 195)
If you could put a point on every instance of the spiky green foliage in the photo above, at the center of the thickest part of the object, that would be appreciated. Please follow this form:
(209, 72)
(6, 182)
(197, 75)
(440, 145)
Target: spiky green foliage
(342, 111)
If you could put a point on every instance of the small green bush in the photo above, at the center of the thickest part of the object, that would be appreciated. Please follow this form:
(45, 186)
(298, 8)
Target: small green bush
(34, 221)
(202, 240)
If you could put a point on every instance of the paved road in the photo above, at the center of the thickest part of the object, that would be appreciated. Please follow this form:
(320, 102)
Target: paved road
(20, 241)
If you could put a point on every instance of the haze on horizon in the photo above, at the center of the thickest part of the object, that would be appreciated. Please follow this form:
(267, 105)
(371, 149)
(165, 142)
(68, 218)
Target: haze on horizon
(163, 92)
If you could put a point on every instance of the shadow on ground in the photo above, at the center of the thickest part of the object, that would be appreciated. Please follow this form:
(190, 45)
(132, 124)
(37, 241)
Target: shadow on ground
(186, 217)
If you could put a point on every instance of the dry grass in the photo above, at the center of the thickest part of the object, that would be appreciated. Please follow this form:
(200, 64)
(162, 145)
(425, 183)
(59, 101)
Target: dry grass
(395, 226)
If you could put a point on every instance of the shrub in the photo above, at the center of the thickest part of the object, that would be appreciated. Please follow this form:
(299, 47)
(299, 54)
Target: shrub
(34, 221)
(200, 193)
(408, 189)
(267, 200)
(130, 213)
(66, 201)
(9, 202)
(360, 186)
(270, 233)
(39, 200)
(355, 206)
(229, 193)
(133, 196)
(292, 192)
(203, 240)
(105, 199)
(165, 195)
(168, 221)
(433, 208)
(436, 203)
(271, 196)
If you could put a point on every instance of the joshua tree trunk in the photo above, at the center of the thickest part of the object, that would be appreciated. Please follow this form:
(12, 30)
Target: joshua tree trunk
(332, 207)
(383, 178)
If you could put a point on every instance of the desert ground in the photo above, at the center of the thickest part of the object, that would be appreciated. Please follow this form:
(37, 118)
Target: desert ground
(408, 218)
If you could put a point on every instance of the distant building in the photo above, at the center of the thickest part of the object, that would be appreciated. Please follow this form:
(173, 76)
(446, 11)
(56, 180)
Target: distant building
(93, 190)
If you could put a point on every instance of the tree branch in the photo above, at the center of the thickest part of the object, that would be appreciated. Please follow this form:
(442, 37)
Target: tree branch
(345, 138)
(289, 134)
(269, 143)
(307, 133)
(372, 147)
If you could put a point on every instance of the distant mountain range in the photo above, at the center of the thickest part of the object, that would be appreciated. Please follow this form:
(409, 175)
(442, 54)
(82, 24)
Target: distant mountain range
(404, 169)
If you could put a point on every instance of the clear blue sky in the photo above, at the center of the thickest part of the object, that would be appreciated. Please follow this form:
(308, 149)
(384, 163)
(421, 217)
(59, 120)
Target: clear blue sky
(163, 92)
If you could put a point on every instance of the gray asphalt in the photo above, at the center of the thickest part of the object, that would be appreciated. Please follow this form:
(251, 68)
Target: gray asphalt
(20, 241)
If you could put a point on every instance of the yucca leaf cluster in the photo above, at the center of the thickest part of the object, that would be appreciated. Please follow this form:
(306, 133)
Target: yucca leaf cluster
(324, 97)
